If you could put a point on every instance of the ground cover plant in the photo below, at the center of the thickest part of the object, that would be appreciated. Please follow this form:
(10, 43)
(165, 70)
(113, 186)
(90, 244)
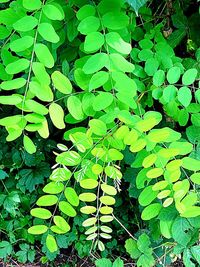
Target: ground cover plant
(100, 132)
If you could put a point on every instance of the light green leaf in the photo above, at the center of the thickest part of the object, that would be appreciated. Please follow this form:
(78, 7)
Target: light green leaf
(115, 41)
(21, 44)
(88, 183)
(102, 101)
(93, 42)
(32, 5)
(132, 249)
(151, 66)
(37, 229)
(118, 62)
(95, 63)
(151, 211)
(71, 196)
(98, 127)
(48, 200)
(53, 188)
(61, 82)
(61, 223)
(25, 24)
(189, 76)
(191, 164)
(85, 11)
(67, 209)
(98, 80)
(88, 25)
(57, 115)
(147, 196)
(158, 78)
(36, 107)
(87, 197)
(44, 56)
(10, 100)
(74, 106)
(53, 11)
(41, 213)
(51, 243)
(29, 145)
(169, 93)
(42, 91)
(41, 73)
(115, 20)
(69, 158)
(47, 31)
(173, 75)
(17, 66)
(184, 96)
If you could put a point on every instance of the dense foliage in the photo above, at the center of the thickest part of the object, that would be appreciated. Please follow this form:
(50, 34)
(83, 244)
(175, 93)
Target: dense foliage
(111, 88)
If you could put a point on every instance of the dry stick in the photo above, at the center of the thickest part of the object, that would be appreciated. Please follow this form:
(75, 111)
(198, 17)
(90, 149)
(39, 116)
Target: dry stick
(124, 228)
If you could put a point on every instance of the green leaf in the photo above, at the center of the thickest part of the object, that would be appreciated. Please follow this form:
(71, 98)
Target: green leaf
(61, 82)
(151, 211)
(67, 209)
(25, 24)
(88, 183)
(107, 200)
(87, 197)
(102, 101)
(143, 244)
(196, 253)
(47, 31)
(53, 11)
(41, 213)
(187, 256)
(98, 127)
(136, 5)
(44, 56)
(95, 63)
(48, 200)
(69, 158)
(93, 42)
(169, 93)
(40, 73)
(75, 107)
(36, 107)
(98, 80)
(115, 20)
(184, 96)
(173, 75)
(103, 263)
(195, 118)
(32, 5)
(189, 76)
(180, 231)
(132, 249)
(158, 78)
(51, 243)
(53, 188)
(88, 25)
(147, 196)
(37, 229)
(61, 223)
(151, 66)
(191, 164)
(195, 177)
(114, 40)
(21, 44)
(118, 62)
(17, 66)
(29, 145)
(71, 196)
(10, 100)
(57, 115)
(108, 189)
(85, 11)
